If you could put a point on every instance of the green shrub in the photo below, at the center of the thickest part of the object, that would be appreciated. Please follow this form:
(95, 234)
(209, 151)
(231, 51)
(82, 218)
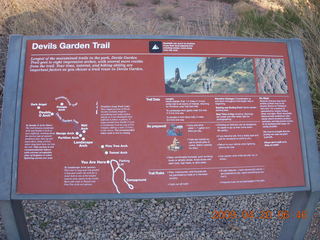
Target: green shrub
(255, 24)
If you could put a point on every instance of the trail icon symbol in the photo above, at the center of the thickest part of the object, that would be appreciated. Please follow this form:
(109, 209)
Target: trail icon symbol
(155, 46)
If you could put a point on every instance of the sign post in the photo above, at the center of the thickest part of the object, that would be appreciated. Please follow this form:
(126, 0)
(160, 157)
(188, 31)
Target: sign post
(109, 117)
(11, 210)
(14, 220)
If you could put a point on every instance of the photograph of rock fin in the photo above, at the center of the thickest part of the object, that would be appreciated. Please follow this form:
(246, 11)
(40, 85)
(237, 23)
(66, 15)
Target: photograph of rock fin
(271, 75)
(209, 75)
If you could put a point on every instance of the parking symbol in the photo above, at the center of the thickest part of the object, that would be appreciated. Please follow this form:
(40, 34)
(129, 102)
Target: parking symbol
(155, 46)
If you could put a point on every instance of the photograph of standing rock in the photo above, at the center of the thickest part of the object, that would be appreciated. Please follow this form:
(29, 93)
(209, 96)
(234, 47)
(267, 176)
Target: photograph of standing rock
(209, 75)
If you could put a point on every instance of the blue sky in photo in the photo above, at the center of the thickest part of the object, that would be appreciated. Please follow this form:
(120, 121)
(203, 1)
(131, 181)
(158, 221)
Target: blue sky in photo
(186, 66)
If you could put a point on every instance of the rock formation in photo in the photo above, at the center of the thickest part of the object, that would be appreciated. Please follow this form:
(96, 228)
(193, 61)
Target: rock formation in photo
(177, 75)
(216, 75)
(271, 75)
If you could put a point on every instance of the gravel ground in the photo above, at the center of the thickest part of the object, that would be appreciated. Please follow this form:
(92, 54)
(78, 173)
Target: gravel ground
(180, 218)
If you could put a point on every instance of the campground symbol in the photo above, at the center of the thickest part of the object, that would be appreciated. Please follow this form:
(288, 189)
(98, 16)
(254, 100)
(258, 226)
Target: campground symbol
(155, 47)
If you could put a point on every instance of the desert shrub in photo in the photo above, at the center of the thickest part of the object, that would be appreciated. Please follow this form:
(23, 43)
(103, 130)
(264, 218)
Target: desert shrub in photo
(230, 1)
(242, 7)
(131, 3)
(226, 1)
(165, 12)
(33, 17)
(217, 21)
(155, 2)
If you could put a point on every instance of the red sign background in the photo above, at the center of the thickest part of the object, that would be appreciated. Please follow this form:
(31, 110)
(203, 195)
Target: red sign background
(62, 100)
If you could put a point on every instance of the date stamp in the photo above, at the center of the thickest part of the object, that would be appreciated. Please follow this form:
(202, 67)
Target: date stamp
(253, 214)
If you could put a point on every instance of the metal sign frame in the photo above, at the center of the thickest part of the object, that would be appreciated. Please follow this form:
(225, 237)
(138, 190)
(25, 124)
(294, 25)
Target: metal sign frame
(10, 125)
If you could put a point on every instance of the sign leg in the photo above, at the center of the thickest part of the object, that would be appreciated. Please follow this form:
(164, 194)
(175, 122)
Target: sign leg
(295, 228)
(15, 224)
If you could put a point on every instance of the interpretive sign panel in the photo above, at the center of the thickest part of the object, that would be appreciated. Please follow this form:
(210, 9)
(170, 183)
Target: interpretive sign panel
(110, 117)
(163, 115)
